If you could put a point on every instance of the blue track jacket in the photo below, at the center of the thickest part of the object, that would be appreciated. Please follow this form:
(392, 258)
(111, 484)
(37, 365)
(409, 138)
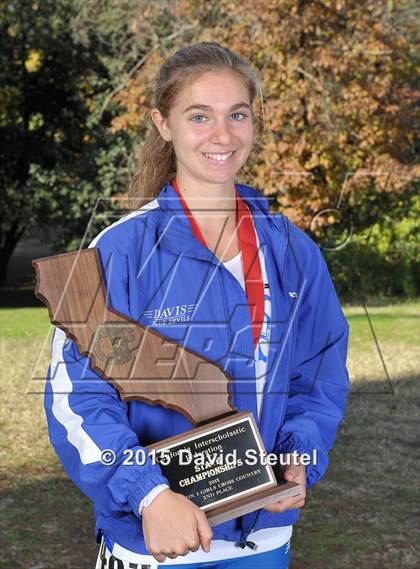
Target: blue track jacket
(157, 273)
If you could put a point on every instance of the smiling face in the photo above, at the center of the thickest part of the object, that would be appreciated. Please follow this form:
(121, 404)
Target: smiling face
(210, 126)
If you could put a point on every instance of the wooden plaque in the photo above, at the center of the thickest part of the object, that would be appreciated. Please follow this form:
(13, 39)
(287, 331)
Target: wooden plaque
(141, 363)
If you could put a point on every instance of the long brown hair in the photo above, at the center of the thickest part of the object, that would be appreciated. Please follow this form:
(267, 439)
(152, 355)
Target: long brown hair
(156, 158)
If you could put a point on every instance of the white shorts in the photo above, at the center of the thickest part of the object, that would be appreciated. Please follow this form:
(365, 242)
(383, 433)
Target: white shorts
(267, 540)
(107, 561)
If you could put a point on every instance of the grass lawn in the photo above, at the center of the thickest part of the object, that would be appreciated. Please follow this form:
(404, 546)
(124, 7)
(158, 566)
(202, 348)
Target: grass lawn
(363, 514)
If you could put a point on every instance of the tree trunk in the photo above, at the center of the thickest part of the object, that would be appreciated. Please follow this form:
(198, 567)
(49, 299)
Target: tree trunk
(12, 238)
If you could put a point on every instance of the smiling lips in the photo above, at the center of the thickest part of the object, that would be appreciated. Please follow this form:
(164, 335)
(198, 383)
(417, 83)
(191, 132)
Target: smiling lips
(218, 158)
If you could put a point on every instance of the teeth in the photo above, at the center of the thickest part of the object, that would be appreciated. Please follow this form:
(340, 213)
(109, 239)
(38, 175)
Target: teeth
(220, 157)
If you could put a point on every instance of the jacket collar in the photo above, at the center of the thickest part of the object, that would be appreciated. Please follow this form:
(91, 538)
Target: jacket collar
(175, 232)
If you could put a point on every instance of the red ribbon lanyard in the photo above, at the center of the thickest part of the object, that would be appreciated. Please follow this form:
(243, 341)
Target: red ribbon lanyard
(250, 259)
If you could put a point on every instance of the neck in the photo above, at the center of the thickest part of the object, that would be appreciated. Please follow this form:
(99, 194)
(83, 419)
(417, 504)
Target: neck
(207, 195)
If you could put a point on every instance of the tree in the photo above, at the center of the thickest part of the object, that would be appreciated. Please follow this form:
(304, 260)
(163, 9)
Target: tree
(57, 152)
(338, 80)
(338, 113)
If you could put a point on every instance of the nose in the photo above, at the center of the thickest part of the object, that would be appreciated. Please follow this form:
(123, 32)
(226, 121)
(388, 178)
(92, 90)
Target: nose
(221, 132)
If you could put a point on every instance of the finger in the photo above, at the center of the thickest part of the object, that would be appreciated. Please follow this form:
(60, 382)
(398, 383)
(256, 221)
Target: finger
(283, 505)
(276, 508)
(193, 545)
(154, 550)
(205, 533)
(160, 558)
(187, 551)
(193, 548)
(290, 470)
(297, 502)
(292, 502)
(294, 473)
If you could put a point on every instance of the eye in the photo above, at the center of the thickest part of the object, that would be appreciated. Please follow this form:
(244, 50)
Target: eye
(244, 115)
(195, 116)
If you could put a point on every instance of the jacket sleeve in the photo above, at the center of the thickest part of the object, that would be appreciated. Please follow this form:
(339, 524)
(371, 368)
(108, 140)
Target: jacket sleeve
(319, 381)
(88, 422)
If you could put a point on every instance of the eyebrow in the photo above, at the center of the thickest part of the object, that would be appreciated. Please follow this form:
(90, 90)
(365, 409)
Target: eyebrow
(208, 108)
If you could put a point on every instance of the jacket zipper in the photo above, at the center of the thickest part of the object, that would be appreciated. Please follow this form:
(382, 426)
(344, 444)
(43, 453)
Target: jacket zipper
(243, 541)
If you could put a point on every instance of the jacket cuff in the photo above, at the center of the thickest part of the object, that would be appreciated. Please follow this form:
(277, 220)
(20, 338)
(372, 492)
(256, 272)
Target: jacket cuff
(142, 488)
(154, 493)
(316, 460)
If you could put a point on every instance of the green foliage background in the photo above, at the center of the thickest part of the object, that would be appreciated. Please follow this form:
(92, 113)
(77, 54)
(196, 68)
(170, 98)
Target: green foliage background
(384, 258)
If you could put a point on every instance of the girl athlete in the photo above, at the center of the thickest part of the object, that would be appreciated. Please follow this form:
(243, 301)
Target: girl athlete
(205, 263)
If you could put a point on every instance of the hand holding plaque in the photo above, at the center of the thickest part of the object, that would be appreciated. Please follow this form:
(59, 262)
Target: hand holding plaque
(220, 464)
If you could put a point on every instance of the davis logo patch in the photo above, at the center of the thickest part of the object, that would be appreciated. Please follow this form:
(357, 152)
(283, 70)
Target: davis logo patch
(170, 315)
